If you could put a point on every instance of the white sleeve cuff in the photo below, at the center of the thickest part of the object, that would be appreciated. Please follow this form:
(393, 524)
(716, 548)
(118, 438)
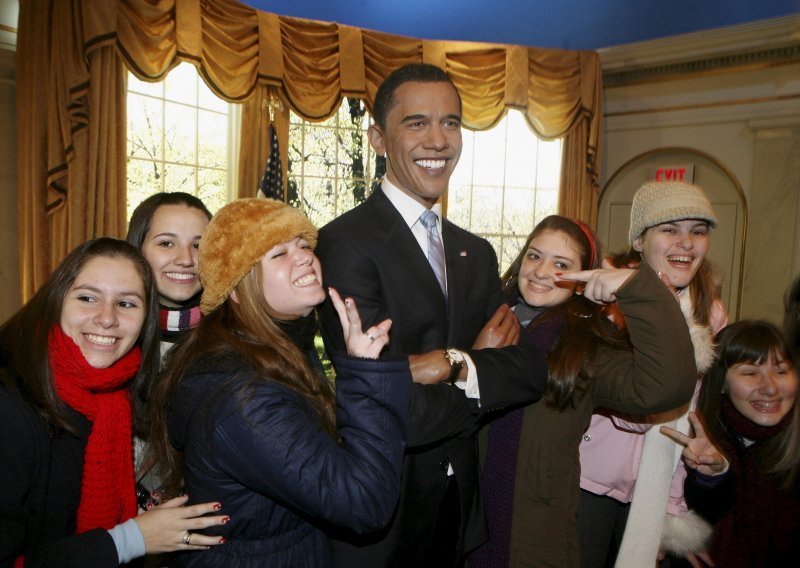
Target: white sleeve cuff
(129, 541)
(470, 386)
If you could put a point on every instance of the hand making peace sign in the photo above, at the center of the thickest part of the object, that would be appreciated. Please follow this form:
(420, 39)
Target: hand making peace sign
(699, 453)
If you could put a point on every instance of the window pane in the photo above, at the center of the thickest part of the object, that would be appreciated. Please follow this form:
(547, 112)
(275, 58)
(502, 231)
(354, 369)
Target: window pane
(518, 209)
(521, 155)
(487, 165)
(180, 178)
(212, 147)
(331, 164)
(208, 100)
(137, 86)
(211, 187)
(144, 179)
(145, 131)
(462, 175)
(318, 201)
(181, 133)
(511, 247)
(513, 179)
(459, 205)
(295, 150)
(546, 203)
(181, 84)
(549, 173)
(487, 203)
(319, 152)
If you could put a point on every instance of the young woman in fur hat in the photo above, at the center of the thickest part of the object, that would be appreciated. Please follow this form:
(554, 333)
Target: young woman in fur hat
(250, 418)
(620, 463)
(67, 360)
(531, 470)
(748, 413)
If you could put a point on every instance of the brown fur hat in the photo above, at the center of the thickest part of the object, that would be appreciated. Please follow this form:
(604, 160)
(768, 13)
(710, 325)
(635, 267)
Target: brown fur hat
(238, 237)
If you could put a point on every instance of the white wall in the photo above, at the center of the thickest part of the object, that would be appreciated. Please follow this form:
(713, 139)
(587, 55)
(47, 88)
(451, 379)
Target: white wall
(745, 113)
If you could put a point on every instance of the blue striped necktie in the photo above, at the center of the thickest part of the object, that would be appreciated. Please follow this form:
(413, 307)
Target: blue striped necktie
(435, 248)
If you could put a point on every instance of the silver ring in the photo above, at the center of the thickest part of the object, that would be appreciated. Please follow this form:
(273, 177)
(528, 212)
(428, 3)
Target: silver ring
(371, 338)
(187, 538)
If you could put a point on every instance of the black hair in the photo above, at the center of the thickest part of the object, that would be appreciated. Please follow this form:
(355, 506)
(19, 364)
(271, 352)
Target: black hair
(752, 342)
(412, 73)
(143, 214)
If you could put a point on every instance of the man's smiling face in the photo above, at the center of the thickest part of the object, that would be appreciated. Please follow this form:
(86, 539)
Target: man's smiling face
(422, 139)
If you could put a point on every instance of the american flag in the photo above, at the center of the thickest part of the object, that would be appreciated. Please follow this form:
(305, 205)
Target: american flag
(272, 181)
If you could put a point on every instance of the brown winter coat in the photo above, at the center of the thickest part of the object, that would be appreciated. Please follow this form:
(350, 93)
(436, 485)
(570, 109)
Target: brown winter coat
(659, 374)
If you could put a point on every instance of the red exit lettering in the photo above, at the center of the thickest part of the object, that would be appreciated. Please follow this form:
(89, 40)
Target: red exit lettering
(670, 174)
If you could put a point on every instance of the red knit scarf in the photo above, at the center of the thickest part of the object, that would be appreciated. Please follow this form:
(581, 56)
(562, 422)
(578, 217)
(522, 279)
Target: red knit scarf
(107, 488)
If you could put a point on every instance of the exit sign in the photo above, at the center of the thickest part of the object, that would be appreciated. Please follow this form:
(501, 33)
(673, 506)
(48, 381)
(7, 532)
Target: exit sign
(673, 173)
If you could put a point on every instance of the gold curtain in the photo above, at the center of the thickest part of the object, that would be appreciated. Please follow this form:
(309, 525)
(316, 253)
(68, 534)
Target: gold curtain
(72, 137)
(72, 170)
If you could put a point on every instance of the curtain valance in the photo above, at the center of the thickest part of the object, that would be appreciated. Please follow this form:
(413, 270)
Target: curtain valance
(72, 56)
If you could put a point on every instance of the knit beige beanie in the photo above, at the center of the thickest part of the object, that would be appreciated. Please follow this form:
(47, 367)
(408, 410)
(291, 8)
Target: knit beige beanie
(238, 237)
(659, 202)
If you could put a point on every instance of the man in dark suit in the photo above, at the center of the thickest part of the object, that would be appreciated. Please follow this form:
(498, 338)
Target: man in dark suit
(444, 312)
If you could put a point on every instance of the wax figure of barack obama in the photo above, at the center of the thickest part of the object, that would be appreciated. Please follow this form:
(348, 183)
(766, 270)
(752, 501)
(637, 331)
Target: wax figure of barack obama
(446, 316)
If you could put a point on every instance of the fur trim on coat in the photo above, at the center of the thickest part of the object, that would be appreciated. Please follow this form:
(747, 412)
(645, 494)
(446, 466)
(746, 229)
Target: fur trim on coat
(702, 336)
(685, 533)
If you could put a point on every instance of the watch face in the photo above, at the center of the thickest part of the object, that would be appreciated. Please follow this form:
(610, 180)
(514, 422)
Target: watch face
(455, 355)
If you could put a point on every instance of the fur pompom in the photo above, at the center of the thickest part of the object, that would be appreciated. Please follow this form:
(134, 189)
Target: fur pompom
(685, 533)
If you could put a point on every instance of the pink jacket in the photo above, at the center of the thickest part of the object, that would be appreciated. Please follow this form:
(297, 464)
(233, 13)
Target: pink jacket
(611, 448)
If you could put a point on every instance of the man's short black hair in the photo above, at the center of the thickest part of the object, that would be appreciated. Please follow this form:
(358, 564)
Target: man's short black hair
(412, 73)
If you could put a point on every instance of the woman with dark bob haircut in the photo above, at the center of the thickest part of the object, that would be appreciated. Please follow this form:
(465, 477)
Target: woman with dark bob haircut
(748, 414)
(67, 361)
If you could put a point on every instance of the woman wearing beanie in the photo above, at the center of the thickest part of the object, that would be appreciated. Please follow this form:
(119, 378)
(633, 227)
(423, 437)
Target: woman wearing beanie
(67, 360)
(749, 409)
(249, 417)
(626, 462)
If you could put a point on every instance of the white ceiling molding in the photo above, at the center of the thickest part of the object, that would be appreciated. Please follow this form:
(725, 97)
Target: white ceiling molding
(765, 42)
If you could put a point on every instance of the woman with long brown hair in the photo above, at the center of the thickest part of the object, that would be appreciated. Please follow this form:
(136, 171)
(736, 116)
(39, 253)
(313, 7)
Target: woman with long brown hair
(250, 418)
(531, 470)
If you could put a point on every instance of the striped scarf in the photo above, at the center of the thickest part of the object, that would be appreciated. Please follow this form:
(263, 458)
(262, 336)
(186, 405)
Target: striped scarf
(175, 321)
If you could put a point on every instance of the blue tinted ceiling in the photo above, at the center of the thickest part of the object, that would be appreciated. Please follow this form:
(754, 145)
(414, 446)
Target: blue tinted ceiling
(570, 24)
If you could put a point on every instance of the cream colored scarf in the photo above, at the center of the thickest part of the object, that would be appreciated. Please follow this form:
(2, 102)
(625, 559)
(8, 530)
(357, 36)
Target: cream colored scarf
(648, 513)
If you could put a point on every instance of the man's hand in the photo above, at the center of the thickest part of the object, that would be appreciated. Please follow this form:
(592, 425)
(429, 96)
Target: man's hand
(430, 368)
(501, 330)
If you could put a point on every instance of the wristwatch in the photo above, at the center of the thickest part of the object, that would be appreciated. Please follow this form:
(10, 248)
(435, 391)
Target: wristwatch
(457, 362)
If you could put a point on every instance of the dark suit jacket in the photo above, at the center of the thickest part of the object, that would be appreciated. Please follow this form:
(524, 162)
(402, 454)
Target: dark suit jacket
(371, 255)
